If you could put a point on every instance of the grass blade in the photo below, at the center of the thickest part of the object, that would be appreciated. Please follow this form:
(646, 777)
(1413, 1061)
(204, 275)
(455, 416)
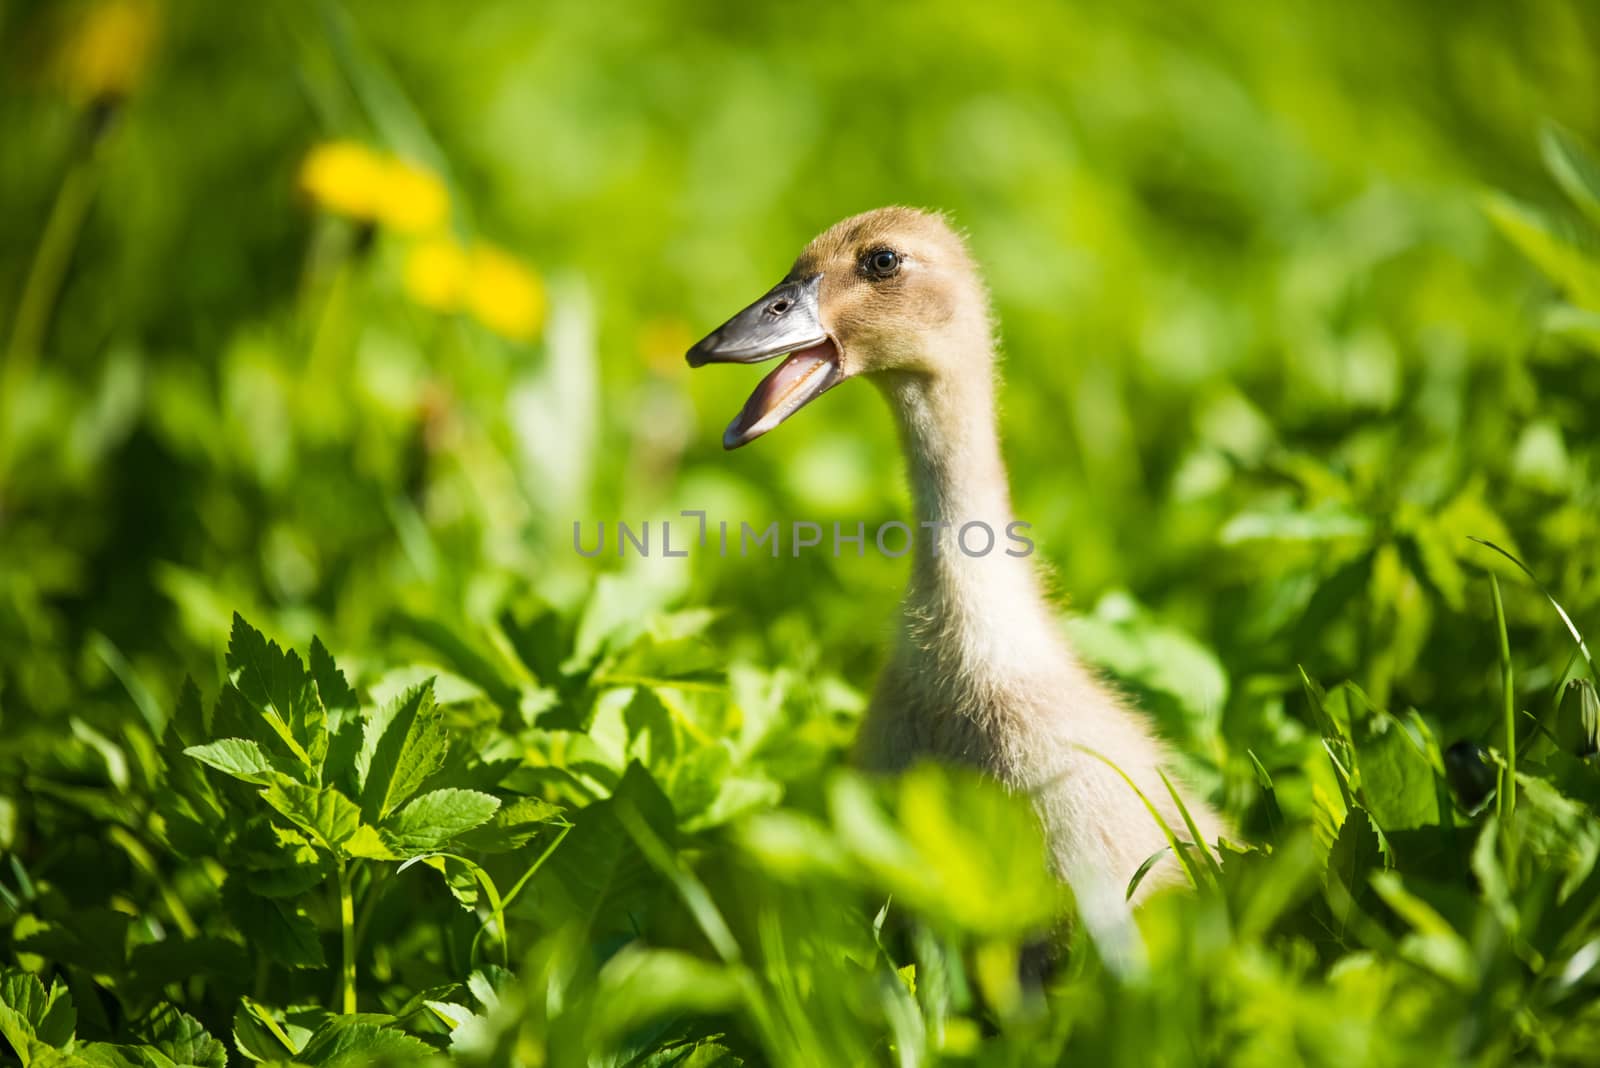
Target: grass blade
(1508, 781)
(1572, 628)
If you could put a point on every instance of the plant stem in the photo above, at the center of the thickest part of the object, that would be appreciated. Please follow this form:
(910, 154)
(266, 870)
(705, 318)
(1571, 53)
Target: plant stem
(347, 929)
(369, 904)
(43, 283)
(1508, 786)
(49, 267)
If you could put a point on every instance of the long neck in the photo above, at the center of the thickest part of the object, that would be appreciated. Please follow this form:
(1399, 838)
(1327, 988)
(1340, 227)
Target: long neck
(965, 592)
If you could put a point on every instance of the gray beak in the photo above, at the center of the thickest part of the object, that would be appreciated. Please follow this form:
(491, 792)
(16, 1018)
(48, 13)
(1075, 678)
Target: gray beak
(786, 319)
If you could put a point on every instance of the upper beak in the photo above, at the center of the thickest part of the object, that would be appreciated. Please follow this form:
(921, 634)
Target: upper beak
(789, 317)
(787, 320)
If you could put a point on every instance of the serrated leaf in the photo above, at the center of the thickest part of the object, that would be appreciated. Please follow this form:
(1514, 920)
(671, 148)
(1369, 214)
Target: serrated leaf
(280, 689)
(338, 699)
(182, 1039)
(340, 1043)
(343, 709)
(238, 757)
(28, 1011)
(1357, 853)
(405, 743)
(329, 816)
(262, 1034)
(435, 818)
(513, 825)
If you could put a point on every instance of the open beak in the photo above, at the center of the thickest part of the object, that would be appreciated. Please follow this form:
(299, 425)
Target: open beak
(787, 321)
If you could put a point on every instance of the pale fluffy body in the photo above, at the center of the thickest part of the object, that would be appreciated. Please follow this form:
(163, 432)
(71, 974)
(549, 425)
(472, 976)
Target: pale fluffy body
(981, 673)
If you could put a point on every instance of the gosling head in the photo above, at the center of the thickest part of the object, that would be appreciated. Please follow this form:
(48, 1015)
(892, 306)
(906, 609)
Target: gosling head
(890, 292)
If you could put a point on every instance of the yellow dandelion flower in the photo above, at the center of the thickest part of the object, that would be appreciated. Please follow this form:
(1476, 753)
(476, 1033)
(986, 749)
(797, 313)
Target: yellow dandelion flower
(344, 177)
(108, 48)
(411, 199)
(435, 274)
(504, 295)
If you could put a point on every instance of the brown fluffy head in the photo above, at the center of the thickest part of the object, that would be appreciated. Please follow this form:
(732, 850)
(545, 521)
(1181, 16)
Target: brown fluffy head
(891, 294)
(927, 313)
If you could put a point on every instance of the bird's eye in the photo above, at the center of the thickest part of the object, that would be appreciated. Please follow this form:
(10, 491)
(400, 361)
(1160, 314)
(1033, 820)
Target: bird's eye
(881, 263)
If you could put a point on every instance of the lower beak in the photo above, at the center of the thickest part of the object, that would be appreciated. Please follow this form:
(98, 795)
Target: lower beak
(786, 321)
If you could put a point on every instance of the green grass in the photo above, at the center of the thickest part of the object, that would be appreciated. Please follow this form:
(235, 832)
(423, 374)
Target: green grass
(320, 743)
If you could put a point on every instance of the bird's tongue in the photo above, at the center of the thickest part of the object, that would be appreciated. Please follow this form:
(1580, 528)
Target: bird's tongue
(800, 377)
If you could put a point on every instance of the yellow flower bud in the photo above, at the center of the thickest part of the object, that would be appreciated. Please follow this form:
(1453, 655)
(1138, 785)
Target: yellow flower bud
(435, 274)
(108, 48)
(411, 199)
(344, 177)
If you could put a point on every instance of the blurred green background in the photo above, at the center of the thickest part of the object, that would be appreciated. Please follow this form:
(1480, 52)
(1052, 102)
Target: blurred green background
(1238, 254)
(340, 315)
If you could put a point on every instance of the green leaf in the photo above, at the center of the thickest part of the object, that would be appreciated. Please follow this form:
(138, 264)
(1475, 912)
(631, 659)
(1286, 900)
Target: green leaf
(451, 1014)
(187, 724)
(955, 847)
(338, 699)
(405, 743)
(1560, 249)
(512, 825)
(182, 1039)
(435, 818)
(1397, 782)
(462, 878)
(238, 757)
(344, 719)
(1123, 638)
(1574, 167)
(1578, 722)
(639, 985)
(1575, 324)
(329, 816)
(368, 844)
(341, 1043)
(1329, 523)
(598, 881)
(652, 737)
(1356, 855)
(279, 929)
(277, 685)
(263, 1034)
(28, 1012)
(278, 861)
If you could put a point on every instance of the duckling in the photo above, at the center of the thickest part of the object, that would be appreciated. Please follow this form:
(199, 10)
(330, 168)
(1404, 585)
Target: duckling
(980, 673)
